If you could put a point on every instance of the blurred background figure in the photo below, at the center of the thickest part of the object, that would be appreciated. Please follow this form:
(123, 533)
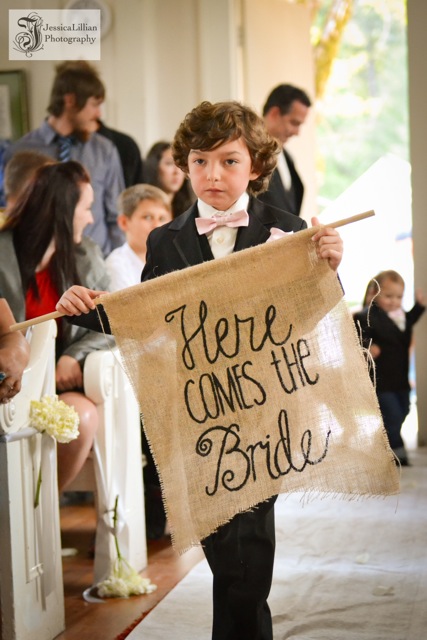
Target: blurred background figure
(161, 171)
(19, 173)
(387, 333)
(130, 155)
(70, 133)
(284, 112)
(142, 208)
(42, 253)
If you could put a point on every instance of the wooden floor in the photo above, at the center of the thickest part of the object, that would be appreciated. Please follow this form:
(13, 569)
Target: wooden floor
(106, 621)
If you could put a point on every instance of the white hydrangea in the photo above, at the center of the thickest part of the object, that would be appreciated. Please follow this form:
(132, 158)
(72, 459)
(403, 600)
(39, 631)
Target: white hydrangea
(54, 417)
(123, 582)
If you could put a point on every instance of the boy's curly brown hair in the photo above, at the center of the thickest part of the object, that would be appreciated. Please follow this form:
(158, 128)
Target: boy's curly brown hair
(209, 125)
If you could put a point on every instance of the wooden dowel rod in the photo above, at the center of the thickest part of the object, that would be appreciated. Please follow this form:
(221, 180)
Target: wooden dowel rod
(356, 218)
(19, 326)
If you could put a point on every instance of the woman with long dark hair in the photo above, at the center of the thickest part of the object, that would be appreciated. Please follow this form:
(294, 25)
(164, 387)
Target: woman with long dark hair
(42, 253)
(161, 171)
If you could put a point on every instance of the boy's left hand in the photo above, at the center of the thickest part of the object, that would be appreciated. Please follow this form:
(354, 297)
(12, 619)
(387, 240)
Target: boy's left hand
(77, 300)
(329, 244)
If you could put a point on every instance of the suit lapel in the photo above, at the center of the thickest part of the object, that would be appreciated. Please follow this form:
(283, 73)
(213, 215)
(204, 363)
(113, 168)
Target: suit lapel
(192, 248)
(258, 230)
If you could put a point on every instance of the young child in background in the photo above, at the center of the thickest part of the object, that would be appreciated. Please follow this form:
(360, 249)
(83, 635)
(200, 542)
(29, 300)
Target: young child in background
(229, 157)
(142, 208)
(387, 333)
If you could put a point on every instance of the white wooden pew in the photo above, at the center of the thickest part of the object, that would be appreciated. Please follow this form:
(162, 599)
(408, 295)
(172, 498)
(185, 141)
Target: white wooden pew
(115, 463)
(31, 585)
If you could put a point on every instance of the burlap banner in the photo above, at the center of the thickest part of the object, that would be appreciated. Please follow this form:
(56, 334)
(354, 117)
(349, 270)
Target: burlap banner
(251, 381)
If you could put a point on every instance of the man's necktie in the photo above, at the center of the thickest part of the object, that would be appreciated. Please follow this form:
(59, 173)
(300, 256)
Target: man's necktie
(238, 219)
(64, 148)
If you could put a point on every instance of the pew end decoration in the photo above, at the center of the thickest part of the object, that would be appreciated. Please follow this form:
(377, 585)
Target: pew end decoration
(54, 418)
(123, 580)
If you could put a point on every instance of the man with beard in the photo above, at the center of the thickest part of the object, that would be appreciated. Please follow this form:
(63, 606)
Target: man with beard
(70, 133)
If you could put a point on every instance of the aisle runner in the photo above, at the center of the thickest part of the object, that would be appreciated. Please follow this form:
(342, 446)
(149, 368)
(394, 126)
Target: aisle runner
(252, 382)
(343, 571)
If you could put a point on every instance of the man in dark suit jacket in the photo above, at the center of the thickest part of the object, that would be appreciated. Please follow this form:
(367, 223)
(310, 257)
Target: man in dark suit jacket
(130, 155)
(284, 112)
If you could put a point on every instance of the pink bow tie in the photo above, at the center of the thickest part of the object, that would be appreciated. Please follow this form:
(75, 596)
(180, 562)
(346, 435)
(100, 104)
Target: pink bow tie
(206, 225)
(276, 234)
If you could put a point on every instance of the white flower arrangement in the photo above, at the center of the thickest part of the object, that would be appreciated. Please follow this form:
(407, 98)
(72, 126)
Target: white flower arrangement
(56, 418)
(123, 580)
(60, 421)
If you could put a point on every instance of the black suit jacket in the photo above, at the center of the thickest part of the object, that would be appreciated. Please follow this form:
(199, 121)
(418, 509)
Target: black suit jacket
(130, 155)
(392, 365)
(276, 194)
(177, 245)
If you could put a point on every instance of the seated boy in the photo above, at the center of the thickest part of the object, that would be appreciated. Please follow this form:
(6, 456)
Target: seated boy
(229, 158)
(142, 208)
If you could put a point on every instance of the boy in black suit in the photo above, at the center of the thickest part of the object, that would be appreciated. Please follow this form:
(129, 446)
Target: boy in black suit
(228, 155)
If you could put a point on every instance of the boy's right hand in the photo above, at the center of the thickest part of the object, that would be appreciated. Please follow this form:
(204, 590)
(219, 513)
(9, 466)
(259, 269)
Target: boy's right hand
(329, 244)
(77, 300)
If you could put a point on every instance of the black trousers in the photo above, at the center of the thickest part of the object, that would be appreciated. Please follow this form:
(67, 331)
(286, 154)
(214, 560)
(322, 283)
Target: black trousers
(241, 557)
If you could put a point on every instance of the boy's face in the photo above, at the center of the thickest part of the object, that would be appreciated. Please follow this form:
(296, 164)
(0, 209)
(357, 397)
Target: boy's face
(220, 176)
(148, 215)
(390, 296)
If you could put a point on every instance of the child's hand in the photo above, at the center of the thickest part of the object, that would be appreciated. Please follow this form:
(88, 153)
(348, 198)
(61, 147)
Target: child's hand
(374, 350)
(419, 297)
(329, 244)
(77, 300)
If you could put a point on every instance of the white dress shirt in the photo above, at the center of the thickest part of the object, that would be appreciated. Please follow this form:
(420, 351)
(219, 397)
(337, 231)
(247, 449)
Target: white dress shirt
(124, 267)
(222, 239)
(284, 173)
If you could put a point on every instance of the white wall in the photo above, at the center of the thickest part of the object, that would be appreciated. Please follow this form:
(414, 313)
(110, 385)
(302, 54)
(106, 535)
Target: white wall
(162, 57)
(417, 55)
(276, 50)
